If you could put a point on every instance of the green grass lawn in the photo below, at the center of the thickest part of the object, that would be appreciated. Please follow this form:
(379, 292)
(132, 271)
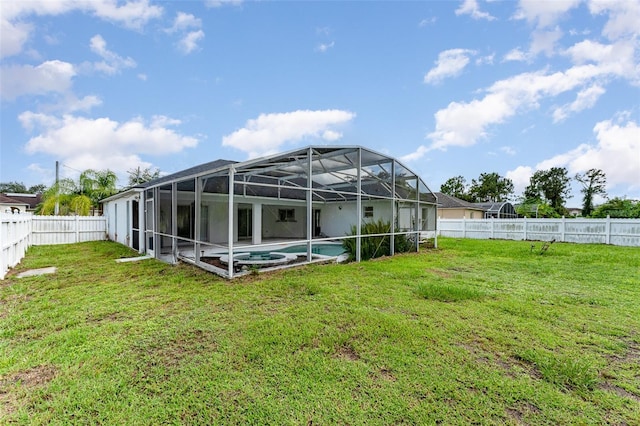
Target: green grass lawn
(484, 332)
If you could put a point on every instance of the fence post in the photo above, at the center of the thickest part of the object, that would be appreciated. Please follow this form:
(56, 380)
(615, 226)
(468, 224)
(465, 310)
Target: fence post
(562, 229)
(493, 223)
(524, 221)
(607, 230)
(464, 227)
(77, 230)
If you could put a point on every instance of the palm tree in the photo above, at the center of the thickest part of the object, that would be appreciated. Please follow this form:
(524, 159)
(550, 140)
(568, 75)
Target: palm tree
(81, 198)
(98, 184)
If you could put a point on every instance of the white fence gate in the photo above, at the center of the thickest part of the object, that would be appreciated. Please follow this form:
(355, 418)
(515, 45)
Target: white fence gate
(619, 232)
(19, 231)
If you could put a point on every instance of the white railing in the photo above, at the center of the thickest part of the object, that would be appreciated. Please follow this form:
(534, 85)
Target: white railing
(20, 231)
(620, 232)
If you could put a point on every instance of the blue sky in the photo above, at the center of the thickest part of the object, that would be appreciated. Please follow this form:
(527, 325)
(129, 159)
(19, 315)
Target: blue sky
(449, 87)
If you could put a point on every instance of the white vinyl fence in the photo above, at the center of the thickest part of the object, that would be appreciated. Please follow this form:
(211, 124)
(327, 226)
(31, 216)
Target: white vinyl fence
(20, 231)
(15, 239)
(619, 232)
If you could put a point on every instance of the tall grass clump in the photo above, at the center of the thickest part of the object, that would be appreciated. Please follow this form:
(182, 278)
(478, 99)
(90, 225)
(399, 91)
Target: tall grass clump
(376, 245)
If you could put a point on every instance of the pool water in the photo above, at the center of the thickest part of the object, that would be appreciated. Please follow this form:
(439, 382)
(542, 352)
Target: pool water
(324, 249)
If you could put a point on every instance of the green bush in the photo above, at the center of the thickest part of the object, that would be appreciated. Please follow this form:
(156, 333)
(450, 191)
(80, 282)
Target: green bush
(376, 245)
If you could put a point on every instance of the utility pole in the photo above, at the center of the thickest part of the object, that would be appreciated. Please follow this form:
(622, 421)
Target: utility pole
(56, 210)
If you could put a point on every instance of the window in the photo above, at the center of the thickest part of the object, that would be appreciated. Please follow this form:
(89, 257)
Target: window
(368, 211)
(286, 215)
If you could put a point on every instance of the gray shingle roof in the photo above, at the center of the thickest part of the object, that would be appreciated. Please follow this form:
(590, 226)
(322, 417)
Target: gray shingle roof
(448, 202)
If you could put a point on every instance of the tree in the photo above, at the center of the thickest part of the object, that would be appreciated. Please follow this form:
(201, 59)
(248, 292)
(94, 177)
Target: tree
(618, 208)
(593, 183)
(66, 195)
(98, 184)
(491, 187)
(138, 176)
(80, 198)
(551, 185)
(456, 187)
(20, 188)
(15, 187)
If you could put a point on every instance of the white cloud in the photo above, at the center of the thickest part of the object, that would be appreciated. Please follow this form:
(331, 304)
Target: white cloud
(427, 21)
(470, 7)
(508, 150)
(623, 17)
(331, 135)
(267, 133)
(520, 177)
(101, 143)
(14, 36)
(184, 21)
(617, 154)
(544, 13)
(323, 47)
(50, 76)
(420, 152)
(586, 98)
(142, 76)
(450, 63)
(189, 42)
(113, 63)
(220, 3)
(544, 41)
(132, 14)
(485, 60)
(464, 123)
(516, 55)
(16, 31)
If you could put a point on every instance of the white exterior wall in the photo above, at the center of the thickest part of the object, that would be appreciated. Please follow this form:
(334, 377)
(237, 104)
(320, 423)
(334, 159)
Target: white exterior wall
(273, 228)
(337, 218)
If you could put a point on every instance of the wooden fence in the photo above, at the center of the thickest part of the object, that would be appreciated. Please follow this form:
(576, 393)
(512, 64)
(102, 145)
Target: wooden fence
(620, 232)
(20, 231)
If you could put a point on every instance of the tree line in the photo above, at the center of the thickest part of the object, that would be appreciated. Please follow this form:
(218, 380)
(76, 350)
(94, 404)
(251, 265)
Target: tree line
(546, 194)
(82, 196)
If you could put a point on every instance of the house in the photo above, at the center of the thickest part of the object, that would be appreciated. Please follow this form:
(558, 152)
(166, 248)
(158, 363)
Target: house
(19, 203)
(450, 207)
(227, 216)
(11, 205)
(498, 210)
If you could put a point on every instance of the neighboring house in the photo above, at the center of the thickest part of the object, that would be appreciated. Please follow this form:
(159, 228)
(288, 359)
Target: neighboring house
(301, 201)
(574, 211)
(500, 210)
(454, 208)
(11, 205)
(30, 201)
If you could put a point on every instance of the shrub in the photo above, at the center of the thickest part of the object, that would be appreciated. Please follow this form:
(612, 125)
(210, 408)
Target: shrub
(376, 245)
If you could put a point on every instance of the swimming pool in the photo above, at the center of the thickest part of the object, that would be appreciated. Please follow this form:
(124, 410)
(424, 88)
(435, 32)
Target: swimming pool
(325, 249)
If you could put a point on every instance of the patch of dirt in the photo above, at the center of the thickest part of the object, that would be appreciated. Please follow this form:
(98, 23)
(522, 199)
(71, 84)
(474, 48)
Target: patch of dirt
(440, 273)
(347, 352)
(521, 410)
(35, 376)
(619, 391)
(173, 352)
(114, 316)
(386, 374)
(31, 378)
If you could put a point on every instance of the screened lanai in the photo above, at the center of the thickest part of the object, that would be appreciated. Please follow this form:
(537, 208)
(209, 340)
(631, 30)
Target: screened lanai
(301, 206)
